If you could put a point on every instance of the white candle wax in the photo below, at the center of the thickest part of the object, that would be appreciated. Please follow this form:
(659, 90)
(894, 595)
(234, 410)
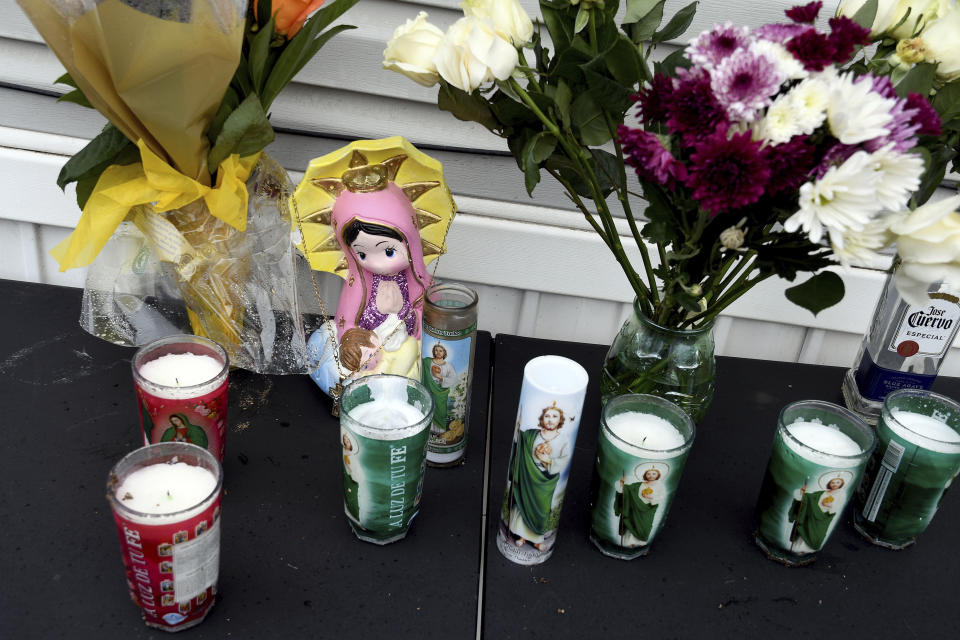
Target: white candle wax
(827, 441)
(166, 488)
(181, 369)
(647, 431)
(389, 415)
(925, 431)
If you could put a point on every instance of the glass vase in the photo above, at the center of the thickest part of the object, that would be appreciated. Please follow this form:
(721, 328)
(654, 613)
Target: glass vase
(674, 364)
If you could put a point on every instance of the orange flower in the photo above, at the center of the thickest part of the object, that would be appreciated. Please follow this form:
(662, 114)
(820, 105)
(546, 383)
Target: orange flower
(291, 14)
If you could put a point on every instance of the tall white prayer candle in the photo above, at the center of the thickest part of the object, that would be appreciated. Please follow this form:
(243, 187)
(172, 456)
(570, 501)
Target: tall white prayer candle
(181, 384)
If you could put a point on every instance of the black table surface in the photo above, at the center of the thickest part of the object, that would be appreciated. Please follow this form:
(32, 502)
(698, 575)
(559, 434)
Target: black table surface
(704, 576)
(290, 565)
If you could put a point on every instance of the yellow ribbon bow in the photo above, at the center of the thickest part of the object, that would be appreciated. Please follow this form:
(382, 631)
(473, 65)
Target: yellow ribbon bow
(152, 181)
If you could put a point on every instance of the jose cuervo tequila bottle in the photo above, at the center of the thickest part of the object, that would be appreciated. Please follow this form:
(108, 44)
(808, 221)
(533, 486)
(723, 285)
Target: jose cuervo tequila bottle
(903, 348)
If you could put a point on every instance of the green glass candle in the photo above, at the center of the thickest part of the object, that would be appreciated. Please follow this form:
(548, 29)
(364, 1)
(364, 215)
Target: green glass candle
(818, 456)
(643, 446)
(917, 458)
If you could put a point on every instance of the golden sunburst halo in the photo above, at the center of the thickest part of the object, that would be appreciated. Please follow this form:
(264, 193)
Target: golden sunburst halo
(363, 165)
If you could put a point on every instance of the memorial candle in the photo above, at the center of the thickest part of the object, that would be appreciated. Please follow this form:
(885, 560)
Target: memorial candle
(818, 456)
(384, 425)
(165, 500)
(642, 449)
(917, 458)
(181, 384)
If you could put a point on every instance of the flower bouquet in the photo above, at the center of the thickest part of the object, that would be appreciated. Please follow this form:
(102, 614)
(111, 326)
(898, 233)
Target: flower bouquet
(181, 209)
(759, 153)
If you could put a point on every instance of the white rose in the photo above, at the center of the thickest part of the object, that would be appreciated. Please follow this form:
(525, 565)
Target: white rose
(922, 13)
(472, 54)
(941, 43)
(412, 48)
(883, 21)
(509, 19)
(928, 243)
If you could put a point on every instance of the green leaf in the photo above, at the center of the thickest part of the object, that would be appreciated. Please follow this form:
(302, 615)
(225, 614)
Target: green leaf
(303, 46)
(823, 290)
(562, 97)
(587, 117)
(66, 79)
(538, 148)
(677, 25)
(624, 62)
(669, 65)
(264, 11)
(918, 80)
(560, 32)
(643, 29)
(947, 101)
(76, 97)
(260, 53)
(637, 10)
(611, 96)
(466, 106)
(936, 161)
(583, 19)
(245, 131)
(99, 152)
(866, 14)
(227, 105)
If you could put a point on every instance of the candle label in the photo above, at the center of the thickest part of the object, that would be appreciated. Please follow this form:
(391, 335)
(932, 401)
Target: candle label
(200, 421)
(800, 501)
(446, 372)
(172, 568)
(382, 482)
(902, 488)
(537, 477)
(927, 330)
(631, 495)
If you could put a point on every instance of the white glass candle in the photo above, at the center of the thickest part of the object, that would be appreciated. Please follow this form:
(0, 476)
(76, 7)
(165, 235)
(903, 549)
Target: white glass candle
(165, 488)
(824, 444)
(924, 431)
(647, 431)
(181, 369)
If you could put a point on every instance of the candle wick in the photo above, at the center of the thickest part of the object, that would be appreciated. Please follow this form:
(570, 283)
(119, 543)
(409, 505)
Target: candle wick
(127, 496)
(177, 380)
(168, 493)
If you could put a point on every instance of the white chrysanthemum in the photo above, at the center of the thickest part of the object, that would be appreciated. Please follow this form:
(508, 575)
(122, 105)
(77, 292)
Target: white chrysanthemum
(843, 200)
(788, 66)
(855, 111)
(861, 247)
(780, 123)
(899, 177)
(810, 99)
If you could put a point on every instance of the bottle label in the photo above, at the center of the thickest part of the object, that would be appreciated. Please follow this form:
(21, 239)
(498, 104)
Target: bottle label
(927, 330)
(875, 382)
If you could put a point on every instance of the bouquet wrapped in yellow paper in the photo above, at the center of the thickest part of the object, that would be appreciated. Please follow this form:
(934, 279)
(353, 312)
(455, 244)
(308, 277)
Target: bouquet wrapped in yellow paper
(184, 220)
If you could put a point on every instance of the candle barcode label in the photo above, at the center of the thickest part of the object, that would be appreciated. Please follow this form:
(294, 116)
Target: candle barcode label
(196, 564)
(888, 466)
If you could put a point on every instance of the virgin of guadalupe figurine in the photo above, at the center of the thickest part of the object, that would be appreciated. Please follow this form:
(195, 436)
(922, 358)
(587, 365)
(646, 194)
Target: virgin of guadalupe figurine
(375, 213)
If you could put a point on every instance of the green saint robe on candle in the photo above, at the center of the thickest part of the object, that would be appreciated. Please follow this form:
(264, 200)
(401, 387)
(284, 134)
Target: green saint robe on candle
(812, 523)
(636, 515)
(440, 394)
(532, 486)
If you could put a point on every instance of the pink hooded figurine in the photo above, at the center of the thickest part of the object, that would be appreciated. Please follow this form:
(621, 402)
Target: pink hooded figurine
(371, 205)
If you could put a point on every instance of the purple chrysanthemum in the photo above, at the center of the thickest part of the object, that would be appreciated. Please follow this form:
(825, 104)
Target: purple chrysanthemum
(924, 115)
(654, 99)
(710, 48)
(781, 33)
(903, 128)
(834, 157)
(647, 155)
(805, 14)
(727, 173)
(693, 111)
(744, 83)
(814, 50)
(790, 163)
(845, 35)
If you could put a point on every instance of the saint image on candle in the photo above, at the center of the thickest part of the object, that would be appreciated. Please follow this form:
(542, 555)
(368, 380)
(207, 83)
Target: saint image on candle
(813, 512)
(636, 504)
(541, 454)
(442, 376)
(182, 430)
(352, 475)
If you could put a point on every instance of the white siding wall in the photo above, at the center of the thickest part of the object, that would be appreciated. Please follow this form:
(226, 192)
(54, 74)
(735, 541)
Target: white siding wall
(538, 268)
